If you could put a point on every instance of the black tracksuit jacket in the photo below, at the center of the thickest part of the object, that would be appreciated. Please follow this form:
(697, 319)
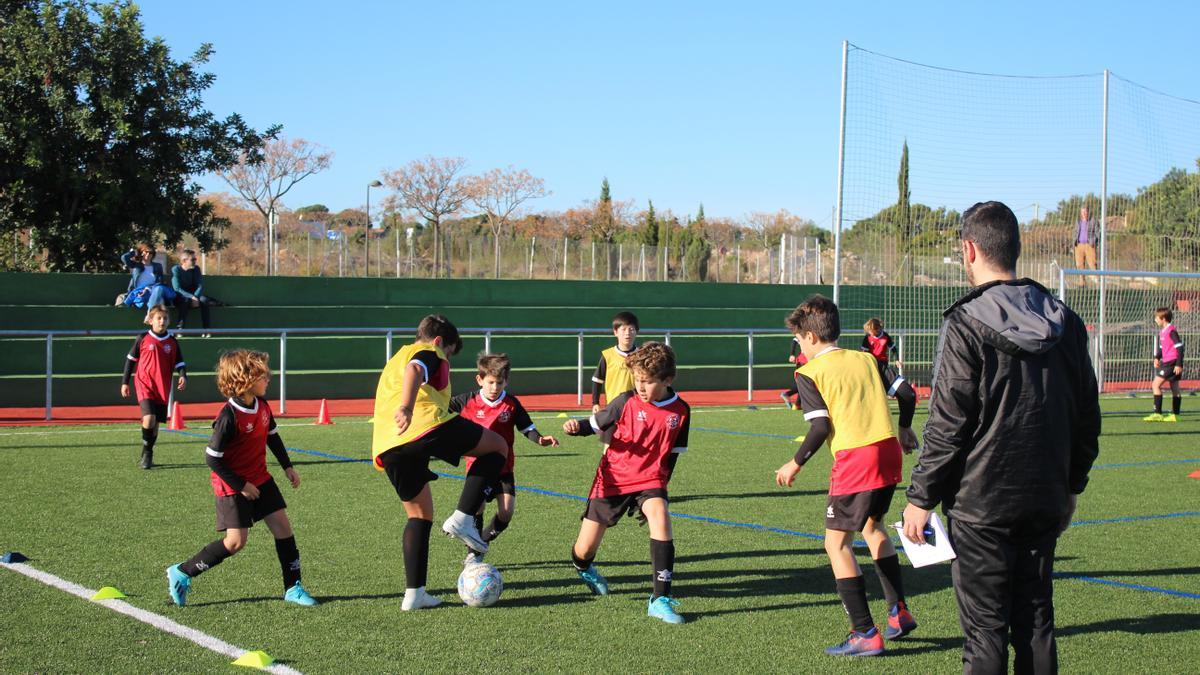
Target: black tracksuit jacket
(1014, 417)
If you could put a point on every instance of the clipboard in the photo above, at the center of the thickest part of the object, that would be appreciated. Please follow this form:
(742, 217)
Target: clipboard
(936, 548)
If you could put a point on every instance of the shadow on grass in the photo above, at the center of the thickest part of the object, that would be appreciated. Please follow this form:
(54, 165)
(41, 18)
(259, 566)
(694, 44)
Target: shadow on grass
(535, 455)
(675, 499)
(1139, 625)
(1165, 432)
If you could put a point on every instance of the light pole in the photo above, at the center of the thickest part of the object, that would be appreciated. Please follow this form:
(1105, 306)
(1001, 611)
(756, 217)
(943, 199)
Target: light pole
(367, 237)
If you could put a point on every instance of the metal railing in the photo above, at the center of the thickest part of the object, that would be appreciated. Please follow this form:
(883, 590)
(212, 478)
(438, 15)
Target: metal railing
(281, 370)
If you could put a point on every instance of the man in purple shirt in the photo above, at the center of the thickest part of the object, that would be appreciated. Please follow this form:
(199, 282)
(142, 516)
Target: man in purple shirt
(1085, 241)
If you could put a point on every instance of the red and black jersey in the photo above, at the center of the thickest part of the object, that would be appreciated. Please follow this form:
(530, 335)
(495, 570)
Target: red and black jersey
(880, 347)
(237, 450)
(504, 416)
(641, 437)
(151, 360)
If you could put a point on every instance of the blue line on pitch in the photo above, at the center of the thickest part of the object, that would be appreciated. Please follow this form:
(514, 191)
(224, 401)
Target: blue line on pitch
(1124, 584)
(1148, 463)
(1130, 519)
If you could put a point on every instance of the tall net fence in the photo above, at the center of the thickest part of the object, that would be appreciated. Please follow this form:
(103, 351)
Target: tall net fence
(921, 144)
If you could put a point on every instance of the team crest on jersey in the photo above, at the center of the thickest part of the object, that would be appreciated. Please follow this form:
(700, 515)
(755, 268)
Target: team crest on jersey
(505, 416)
(167, 348)
(249, 427)
(672, 421)
(481, 413)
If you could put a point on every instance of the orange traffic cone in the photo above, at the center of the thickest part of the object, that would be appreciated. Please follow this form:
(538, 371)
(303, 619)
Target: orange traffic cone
(323, 414)
(177, 422)
(1194, 474)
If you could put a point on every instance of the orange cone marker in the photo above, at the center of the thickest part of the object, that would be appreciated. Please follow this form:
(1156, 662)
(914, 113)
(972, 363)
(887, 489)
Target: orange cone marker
(1194, 474)
(323, 414)
(177, 421)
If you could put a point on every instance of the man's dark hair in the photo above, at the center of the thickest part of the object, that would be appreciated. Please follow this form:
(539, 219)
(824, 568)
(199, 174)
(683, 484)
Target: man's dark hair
(993, 228)
(625, 319)
(435, 326)
(817, 315)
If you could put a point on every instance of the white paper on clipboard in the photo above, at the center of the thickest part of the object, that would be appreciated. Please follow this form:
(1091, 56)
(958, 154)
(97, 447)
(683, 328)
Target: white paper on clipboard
(921, 555)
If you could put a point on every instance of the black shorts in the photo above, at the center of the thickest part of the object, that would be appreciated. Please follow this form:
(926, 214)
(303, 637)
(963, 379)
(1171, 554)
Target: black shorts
(407, 466)
(159, 410)
(608, 510)
(1167, 371)
(237, 512)
(849, 513)
(506, 484)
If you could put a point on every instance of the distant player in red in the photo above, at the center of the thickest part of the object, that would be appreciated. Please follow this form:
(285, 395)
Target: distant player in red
(153, 356)
(798, 358)
(645, 430)
(879, 344)
(245, 490)
(492, 407)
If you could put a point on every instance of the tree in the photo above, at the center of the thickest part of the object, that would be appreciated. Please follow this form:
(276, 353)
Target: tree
(433, 189)
(604, 225)
(649, 230)
(499, 193)
(262, 179)
(100, 132)
(905, 195)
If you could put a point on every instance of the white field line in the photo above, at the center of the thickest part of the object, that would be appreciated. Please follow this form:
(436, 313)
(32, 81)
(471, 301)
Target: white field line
(156, 620)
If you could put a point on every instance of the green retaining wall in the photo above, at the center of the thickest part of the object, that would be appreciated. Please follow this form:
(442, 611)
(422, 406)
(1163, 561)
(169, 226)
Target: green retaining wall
(87, 369)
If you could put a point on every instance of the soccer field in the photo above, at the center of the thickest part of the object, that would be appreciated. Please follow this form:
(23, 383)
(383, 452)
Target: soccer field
(751, 574)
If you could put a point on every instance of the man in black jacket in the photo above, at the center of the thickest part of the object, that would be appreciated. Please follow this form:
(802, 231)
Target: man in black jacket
(1014, 422)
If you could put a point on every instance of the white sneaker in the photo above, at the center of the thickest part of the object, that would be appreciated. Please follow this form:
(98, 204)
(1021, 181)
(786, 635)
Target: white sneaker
(417, 598)
(462, 527)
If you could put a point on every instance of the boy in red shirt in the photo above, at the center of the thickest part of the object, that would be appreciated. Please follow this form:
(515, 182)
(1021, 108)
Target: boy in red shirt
(644, 430)
(154, 356)
(492, 407)
(246, 492)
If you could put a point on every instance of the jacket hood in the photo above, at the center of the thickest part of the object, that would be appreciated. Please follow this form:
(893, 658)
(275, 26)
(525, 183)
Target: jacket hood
(1017, 316)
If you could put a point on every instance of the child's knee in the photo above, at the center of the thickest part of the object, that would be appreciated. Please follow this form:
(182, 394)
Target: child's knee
(233, 544)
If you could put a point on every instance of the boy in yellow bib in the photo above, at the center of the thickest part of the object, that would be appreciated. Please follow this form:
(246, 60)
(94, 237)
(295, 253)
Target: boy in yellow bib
(611, 373)
(413, 425)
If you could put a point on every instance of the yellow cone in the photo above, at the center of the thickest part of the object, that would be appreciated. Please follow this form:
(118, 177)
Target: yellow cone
(255, 659)
(561, 415)
(108, 593)
(371, 421)
(798, 439)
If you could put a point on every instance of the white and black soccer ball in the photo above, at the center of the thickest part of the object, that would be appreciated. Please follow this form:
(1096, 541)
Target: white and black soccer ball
(480, 585)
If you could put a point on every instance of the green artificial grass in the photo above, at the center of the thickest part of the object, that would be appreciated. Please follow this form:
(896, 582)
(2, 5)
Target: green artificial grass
(756, 599)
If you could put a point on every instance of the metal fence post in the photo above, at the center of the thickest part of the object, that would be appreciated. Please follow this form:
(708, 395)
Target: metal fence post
(387, 346)
(579, 371)
(750, 366)
(667, 338)
(487, 342)
(900, 353)
(283, 373)
(49, 375)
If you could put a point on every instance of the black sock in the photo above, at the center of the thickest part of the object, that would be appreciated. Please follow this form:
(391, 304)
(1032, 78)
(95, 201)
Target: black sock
(662, 559)
(416, 551)
(209, 556)
(1158, 403)
(888, 570)
(853, 592)
(494, 528)
(484, 471)
(581, 564)
(289, 561)
(1176, 401)
(149, 436)
(479, 523)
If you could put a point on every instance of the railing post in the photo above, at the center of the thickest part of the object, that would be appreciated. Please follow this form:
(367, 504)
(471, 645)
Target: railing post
(283, 373)
(900, 353)
(387, 346)
(579, 370)
(1062, 285)
(667, 338)
(750, 366)
(487, 342)
(49, 375)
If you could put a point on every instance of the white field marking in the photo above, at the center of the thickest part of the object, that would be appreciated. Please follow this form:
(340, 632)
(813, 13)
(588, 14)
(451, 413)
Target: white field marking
(156, 620)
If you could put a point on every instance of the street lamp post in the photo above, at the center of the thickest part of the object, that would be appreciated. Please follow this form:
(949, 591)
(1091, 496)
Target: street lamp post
(367, 237)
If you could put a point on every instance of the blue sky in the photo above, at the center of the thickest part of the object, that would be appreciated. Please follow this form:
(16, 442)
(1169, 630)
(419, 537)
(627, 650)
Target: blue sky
(732, 104)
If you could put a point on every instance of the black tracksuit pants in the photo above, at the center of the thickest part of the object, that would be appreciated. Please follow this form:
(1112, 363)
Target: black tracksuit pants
(1002, 580)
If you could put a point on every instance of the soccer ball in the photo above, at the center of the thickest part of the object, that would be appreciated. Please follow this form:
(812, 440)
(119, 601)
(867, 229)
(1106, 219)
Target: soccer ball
(480, 585)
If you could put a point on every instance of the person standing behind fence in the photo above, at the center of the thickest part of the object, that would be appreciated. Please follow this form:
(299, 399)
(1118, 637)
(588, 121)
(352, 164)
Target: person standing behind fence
(1085, 240)
(188, 282)
(1013, 430)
